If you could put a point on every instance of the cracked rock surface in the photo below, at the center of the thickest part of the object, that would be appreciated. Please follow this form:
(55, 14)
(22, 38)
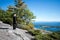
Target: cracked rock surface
(7, 33)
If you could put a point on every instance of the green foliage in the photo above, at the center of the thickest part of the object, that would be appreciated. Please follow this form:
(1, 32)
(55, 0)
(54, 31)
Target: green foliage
(6, 16)
(53, 36)
(34, 32)
(39, 36)
(24, 15)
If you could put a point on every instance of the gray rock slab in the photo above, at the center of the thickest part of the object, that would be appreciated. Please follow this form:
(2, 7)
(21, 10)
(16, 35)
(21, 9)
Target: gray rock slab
(10, 34)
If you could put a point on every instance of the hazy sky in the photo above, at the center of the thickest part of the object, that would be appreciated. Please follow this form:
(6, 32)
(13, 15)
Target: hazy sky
(44, 10)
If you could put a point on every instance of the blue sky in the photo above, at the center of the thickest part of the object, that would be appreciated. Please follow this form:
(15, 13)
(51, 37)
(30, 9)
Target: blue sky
(44, 10)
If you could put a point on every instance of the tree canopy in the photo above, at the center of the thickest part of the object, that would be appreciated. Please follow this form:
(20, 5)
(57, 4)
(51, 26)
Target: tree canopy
(24, 15)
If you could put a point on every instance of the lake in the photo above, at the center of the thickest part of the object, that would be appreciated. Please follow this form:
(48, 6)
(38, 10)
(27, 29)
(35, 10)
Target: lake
(50, 26)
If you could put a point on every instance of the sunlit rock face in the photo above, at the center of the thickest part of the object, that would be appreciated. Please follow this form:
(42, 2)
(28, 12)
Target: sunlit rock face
(7, 33)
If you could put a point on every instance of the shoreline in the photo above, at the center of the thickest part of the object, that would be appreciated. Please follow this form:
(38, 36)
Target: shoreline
(43, 31)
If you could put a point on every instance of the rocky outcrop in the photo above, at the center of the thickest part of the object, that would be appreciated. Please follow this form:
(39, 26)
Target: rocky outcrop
(7, 33)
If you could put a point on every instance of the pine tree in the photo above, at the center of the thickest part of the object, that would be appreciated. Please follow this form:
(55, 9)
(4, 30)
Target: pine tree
(24, 15)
